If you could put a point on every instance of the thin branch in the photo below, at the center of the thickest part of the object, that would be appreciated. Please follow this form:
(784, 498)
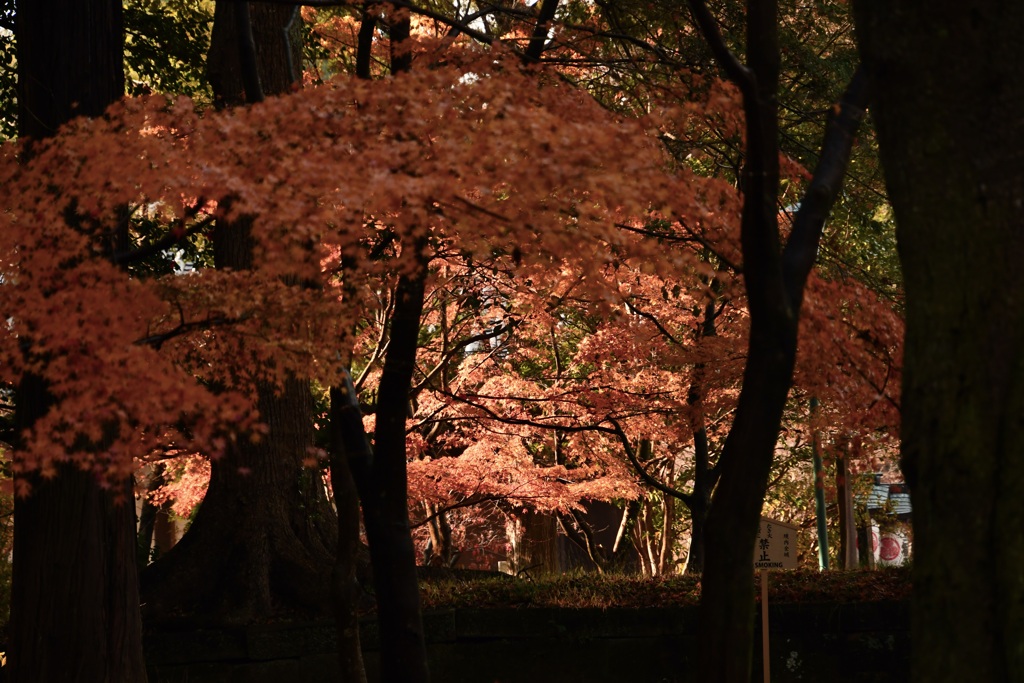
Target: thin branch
(654, 320)
(648, 478)
(693, 237)
(154, 248)
(739, 74)
(158, 340)
(380, 348)
(459, 346)
(802, 248)
(540, 30)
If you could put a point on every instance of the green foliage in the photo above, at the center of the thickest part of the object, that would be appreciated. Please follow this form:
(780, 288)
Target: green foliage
(165, 51)
(8, 72)
(609, 591)
(165, 46)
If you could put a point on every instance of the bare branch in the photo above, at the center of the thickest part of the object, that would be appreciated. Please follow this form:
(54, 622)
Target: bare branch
(158, 340)
(646, 476)
(739, 74)
(154, 248)
(802, 248)
(540, 30)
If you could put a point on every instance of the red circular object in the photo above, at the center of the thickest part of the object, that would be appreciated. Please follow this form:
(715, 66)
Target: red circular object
(890, 548)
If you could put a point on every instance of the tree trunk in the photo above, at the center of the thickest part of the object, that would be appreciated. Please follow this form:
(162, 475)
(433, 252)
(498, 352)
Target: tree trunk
(775, 277)
(383, 491)
(349, 450)
(947, 88)
(70, 61)
(148, 517)
(75, 600)
(75, 604)
(704, 475)
(704, 478)
(263, 539)
(847, 521)
(265, 535)
(537, 545)
(278, 51)
(668, 515)
(440, 550)
(383, 483)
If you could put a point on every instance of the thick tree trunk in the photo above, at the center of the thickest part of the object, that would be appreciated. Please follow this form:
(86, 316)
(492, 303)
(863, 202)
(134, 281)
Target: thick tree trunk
(278, 51)
(727, 598)
(947, 88)
(75, 604)
(536, 545)
(70, 61)
(265, 535)
(263, 539)
(75, 600)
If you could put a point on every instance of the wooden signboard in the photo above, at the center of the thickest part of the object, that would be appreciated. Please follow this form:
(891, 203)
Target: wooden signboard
(776, 545)
(775, 549)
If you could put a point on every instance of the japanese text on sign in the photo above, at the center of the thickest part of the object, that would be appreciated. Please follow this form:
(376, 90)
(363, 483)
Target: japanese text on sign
(776, 545)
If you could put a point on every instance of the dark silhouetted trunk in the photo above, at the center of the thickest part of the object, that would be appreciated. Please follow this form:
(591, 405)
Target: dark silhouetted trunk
(947, 93)
(775, 276)
(382, 481)
(383, 491)
(349, 451)
(265, 536)
(704, 475)
(75, 604)
(278, 51)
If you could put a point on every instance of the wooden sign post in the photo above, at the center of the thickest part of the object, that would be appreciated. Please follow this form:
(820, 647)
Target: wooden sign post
(775, 549)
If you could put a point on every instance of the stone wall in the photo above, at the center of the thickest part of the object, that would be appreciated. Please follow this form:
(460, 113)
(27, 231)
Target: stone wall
(862, 643)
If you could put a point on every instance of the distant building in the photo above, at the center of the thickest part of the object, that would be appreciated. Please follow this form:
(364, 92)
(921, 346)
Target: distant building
(888, 510)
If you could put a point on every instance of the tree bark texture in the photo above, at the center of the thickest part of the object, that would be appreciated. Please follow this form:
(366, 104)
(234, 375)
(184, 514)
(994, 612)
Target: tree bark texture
(265, 536)
(75, 602)
(70, 61)
(947, 95)
(278, 51)
(847, 520)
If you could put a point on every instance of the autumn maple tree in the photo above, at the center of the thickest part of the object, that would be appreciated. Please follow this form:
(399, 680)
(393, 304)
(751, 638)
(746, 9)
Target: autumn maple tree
(171, 341)
(541, 280)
